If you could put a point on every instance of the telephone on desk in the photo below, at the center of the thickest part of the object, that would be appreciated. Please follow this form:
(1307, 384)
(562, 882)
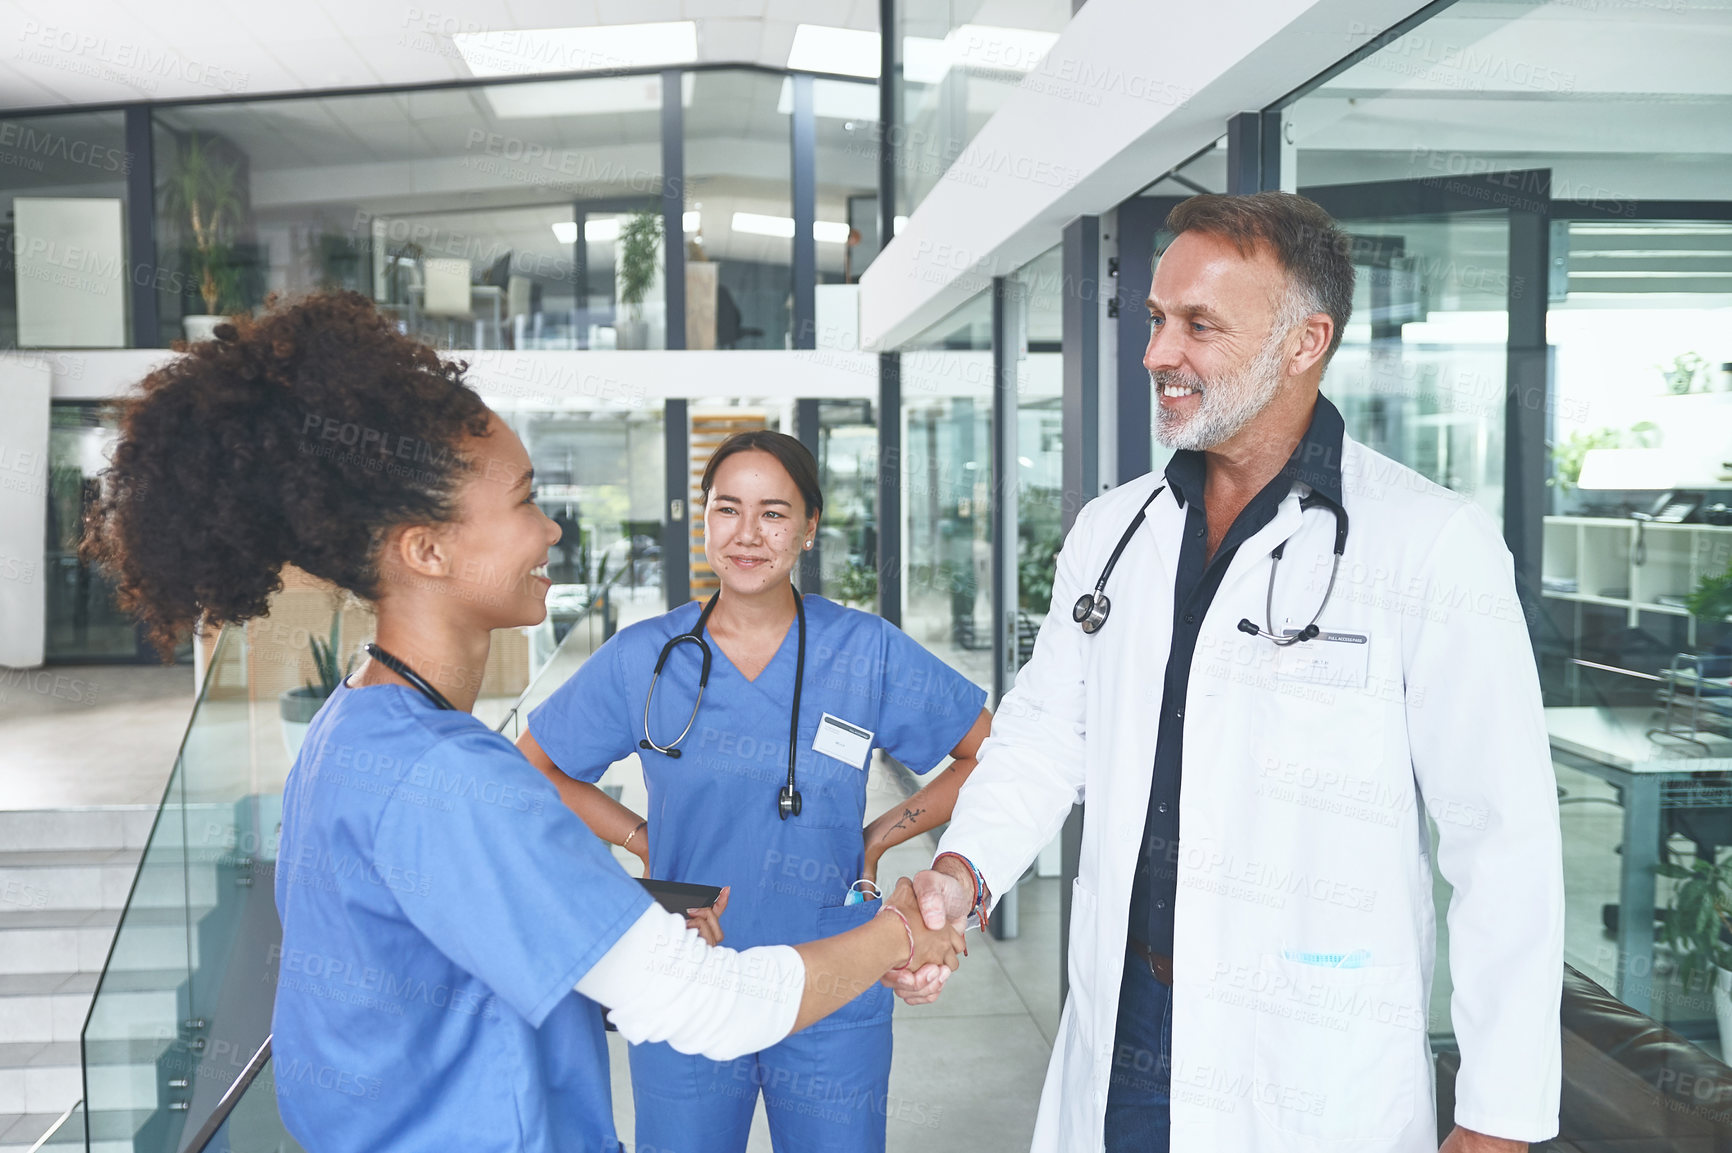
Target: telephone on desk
(1674, 507)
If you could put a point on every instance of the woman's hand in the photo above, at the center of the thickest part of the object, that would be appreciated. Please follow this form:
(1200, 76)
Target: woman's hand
(931, 946)
(708, 922)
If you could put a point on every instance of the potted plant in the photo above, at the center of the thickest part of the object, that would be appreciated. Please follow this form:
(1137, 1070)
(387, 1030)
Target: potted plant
(1683, 373)
(201, 192)
(639, 238)
(855, 584)
(1711, 600)
(297, 706)
(1568, 455)
(1698, 927)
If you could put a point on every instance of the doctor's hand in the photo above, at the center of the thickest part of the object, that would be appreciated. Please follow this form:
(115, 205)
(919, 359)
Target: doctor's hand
(939, 948)
(1467, 1141)
(708, 922)
(944, 899)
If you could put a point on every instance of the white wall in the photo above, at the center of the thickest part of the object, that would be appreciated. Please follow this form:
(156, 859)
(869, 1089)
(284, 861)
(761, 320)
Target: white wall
(1129, 91)
(25, 383)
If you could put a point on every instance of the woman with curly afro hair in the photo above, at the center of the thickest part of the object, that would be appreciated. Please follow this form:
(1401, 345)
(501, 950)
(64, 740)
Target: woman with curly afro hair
(450, 929)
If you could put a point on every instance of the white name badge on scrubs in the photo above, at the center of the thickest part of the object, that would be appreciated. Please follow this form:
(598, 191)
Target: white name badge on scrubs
(1338, 659)
(848, 743)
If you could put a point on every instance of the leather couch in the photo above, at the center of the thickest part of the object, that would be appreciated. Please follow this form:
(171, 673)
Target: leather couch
(1630, 1085)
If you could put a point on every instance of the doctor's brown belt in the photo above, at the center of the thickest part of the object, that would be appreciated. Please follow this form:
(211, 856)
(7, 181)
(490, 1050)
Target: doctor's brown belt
(1159, 964)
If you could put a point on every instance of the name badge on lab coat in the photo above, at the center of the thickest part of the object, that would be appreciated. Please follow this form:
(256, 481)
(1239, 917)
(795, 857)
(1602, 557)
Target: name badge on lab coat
(1341, 660)
(848, 743)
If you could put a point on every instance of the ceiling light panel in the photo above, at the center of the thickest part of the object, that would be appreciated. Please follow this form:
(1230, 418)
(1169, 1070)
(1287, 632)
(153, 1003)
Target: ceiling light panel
(844, 51)
(529, 51)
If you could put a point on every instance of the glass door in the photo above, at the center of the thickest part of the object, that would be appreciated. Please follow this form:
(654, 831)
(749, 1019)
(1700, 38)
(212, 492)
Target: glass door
(1421, 372)
(84, 624)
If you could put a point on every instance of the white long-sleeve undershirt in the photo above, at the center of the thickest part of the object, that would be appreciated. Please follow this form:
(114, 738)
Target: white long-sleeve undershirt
(660, 982)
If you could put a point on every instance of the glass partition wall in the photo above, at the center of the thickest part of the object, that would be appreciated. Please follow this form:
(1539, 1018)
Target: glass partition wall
(1542, 187)
(960, 60)
(947, 399)
(739, 211)
(493, 216)
(1039, 443)
(499, 215)
(63, 263)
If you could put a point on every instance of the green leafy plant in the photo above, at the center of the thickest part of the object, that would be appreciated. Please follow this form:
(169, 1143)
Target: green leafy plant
(326, 672)
(855, 584)
(1683, 373)
(1569, 455)
(638, 240)
(1036, 564)
(1698, 924)
(1712, 597)
(201, 191)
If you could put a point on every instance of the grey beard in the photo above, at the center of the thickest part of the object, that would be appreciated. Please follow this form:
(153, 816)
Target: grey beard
(1229, 402)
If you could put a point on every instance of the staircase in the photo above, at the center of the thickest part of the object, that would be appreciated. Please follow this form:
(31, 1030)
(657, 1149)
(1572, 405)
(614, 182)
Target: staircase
(64, 878)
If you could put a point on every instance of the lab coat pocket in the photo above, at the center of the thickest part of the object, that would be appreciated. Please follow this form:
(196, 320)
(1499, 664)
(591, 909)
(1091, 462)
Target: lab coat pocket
(1084, 947)
(872, 1005)
(1333, 1052)
(1081, 1053)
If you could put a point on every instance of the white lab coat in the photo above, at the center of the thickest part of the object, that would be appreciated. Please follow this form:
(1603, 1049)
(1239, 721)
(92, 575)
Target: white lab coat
(1303, 826)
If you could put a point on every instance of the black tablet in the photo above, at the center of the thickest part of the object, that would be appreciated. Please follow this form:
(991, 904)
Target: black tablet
(678, 896)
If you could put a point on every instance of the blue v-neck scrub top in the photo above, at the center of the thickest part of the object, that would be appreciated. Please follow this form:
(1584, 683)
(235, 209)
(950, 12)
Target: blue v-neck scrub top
(438, 903)
(712, 811)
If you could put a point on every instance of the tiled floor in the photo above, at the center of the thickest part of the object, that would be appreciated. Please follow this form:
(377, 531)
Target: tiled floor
(72, 736)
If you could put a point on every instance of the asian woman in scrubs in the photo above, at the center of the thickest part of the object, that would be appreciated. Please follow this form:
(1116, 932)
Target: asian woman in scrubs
(451, 932)
(721, 810)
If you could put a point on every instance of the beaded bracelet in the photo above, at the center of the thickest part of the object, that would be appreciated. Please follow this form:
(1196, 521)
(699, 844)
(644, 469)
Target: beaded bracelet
(907, 928)
(979, 901)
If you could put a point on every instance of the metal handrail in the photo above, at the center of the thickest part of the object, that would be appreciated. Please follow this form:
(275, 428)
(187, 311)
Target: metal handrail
(231, 1097)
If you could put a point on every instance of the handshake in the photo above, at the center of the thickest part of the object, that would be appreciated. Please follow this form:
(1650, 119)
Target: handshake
(936, 904)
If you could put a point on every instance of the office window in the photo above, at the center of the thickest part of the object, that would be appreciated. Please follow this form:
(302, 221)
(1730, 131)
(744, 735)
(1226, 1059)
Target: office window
(599, 476)
(1039, 487)
(64, 279)
(947, 489)
(1566, 163)
(739, 211)
(483, 217)
(959, 61)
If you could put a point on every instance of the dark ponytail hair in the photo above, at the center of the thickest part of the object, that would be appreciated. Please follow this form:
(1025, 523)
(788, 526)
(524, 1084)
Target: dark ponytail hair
(795, 457)
(298, 437)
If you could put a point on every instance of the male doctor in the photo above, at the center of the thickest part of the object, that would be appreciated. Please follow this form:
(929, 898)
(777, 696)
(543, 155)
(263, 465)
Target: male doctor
(1308, 649)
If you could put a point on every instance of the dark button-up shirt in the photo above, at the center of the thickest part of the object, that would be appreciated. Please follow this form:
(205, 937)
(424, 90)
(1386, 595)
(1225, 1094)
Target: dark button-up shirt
(1316, 462)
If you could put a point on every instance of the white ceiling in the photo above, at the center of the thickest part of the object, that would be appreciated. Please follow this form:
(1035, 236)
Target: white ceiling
(112, 51)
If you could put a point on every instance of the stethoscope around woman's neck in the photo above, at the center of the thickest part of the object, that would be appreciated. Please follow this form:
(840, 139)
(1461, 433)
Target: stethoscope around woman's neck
(1091, 609)
(788, 799)
(416, 681)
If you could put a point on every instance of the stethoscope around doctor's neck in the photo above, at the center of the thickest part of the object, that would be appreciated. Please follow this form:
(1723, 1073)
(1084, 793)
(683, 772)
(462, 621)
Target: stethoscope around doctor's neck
(788, 799)
(1091, 609)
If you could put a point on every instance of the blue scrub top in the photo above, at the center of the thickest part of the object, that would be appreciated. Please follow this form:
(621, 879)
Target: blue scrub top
(438, 904)
(712, 811)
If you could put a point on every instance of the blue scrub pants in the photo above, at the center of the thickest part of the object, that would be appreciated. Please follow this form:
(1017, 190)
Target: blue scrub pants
(822, 1091)
(1139, 1114)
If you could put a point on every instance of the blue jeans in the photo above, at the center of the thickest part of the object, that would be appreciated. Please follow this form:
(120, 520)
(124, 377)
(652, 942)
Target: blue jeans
(1138, 1094)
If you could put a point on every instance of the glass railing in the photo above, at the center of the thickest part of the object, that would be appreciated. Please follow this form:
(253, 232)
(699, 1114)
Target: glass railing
(150, 1056)
(612, 605)
(185, 999)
